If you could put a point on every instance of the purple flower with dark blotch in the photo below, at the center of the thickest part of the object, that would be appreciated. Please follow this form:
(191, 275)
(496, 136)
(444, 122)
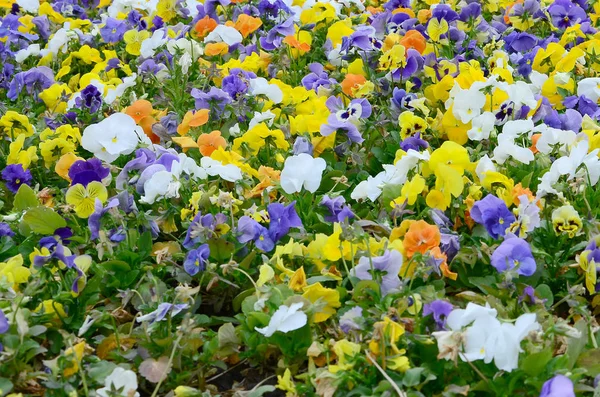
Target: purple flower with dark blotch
(346, 118)
(414, 142)
(113, 30)
(135, 20)
(558, 386)
(63, 235)
(272, 8)
(401, 99)
(99, 211)
(14, 176)
(440, 309)
(384, 269)
(196, 259)
(215, 99)
(90, 98)
(338, 209)
(565, 13)
(86, 171)
(493, 213)
(282, 219)
(352, 320)
(516, 253)
(413, 64)
(302, 145)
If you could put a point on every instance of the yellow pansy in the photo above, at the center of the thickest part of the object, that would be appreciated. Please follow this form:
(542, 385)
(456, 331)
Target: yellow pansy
(338, 30)
(566, 220)
(410, 191)
(266, 273)
(134, 39)
(325, 301)
(55, 97)
(84, 198)
(74, 355)
(391, 331)
(14, 272)
(52, 149)
(298, 280)
(317, 13)
(49, 306)
(259, 136)
(14, 124)
(17, 155)
(436, 28)
(345, 351)
(410, 124)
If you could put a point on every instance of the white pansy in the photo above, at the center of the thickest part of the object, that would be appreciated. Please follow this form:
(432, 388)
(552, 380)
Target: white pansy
(484, 337)
(285, 319)
(229, 172)
(482, 126)
(31, 6)
(259, 117)
(553, 136)
(260, 86)
(484, 165)
(302, 171)
(115, 135)
(32, 49)
(121, 382)
(589, 87)
(149, 45)
(225, 34)
(117, 92)
(466, 104)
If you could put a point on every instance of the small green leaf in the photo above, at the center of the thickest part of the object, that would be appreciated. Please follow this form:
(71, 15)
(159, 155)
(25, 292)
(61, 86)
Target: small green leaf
(260, 391)
(590, 360)
(534, 364)
(220, 249)
(25, 198)
(116, 266)
(43, 220)
(5, 386)
(544, 292)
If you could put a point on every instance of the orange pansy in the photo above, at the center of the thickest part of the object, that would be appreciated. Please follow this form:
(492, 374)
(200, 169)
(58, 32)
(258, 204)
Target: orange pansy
(247, 24)
(139, 109)
(414, 39)
(352, 81)
(208, 143)
(192, 119)
(421, 237)
(205, 25)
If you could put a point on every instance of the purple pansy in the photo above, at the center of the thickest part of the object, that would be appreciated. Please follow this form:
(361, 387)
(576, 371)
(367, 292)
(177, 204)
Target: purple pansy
(513, 253)
(215, 99)
(565, 13)
(384, 269)
(346, 118)
(86, 171)
(14, 176)
(338, 210)
(493, 213)
(440, 309)
(558, 386)
(196, 260)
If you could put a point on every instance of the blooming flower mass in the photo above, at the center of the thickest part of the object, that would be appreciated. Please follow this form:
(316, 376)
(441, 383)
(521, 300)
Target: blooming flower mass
(310, 197)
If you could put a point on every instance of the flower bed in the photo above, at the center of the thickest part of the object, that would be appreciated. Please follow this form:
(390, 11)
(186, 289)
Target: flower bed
(332, 198)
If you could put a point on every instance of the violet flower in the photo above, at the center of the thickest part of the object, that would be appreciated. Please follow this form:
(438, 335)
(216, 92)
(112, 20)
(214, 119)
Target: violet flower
(161, 312)
(514, 253)
(196, 260)
(565, 13)
(338, 209)
(440, 309)
(346, 118)
(86, 171)
(383, 268)
(493, 213)
(215, 99)
(14, 176)
(352, 320)
(558, 386)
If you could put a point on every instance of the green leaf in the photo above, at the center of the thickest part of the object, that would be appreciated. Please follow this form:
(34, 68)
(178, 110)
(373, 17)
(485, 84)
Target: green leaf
(590, 360)
(220, 249)
(237, 301)
(260, 391)
(5, 386)
(412, 377)
(145, 244)
(116, 266)
(576, 345)
(545, 292)
(534, 364)
(43, 220)
(25, 198)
